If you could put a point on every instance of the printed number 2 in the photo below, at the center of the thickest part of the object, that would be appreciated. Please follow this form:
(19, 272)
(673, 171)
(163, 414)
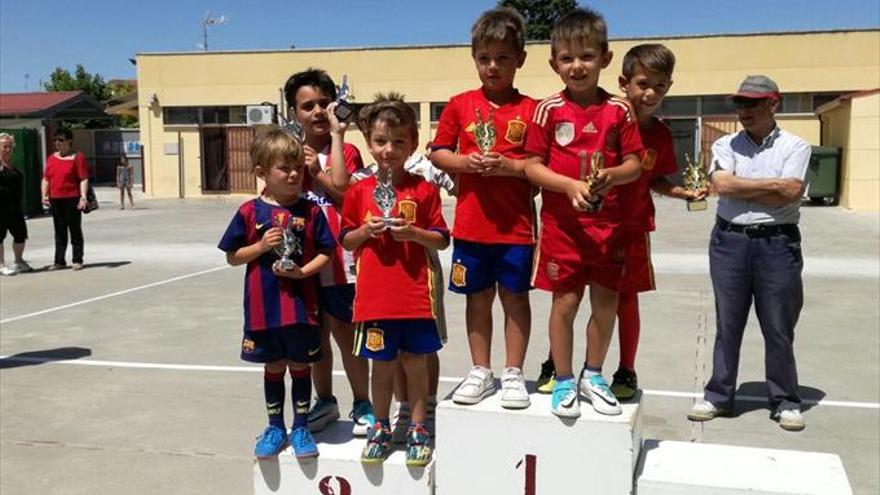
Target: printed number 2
(531, 465)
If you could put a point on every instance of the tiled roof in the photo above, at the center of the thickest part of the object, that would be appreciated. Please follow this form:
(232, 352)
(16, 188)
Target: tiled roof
(12, 104)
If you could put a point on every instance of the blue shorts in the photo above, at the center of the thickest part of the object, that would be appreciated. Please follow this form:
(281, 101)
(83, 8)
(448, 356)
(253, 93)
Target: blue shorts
(385, 339)
(337, 301)
(476, 267)
(297, 343)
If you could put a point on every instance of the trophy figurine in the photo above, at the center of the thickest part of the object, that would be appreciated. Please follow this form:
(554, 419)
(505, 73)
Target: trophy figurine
(484, 133)
(290, 244)
(385, 196)
(695, 179)
(344, 110)
(597, 163)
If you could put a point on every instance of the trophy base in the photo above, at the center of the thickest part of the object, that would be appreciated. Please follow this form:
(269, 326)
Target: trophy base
(286, 264)
(593, 206)
(698, 205)
(388, 221)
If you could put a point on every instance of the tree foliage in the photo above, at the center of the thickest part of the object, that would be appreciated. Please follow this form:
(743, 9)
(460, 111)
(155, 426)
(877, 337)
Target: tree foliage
(63, 80)
(540, 14)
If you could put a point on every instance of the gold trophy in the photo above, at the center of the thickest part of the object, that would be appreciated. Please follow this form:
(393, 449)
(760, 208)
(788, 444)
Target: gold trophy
(695, 179)
(484, 133)
(597, 163)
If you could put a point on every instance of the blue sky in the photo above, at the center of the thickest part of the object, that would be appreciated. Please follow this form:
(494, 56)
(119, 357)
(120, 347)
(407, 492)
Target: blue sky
(38, 35)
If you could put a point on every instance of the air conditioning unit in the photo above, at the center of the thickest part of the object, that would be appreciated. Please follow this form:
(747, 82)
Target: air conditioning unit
(260, 114)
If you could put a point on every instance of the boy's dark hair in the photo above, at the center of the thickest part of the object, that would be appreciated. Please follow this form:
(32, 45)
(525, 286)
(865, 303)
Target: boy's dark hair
(391, 109)
(501, 25)
(64, 132)
(652, 56)
(309, 77)
(273, 144)
(580, 25)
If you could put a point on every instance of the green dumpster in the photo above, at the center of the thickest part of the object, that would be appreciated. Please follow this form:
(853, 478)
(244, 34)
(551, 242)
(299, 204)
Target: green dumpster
(26, 158)
(823, 175)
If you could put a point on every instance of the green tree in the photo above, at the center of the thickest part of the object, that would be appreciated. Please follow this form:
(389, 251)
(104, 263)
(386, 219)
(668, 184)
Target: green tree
(62, 80)
(540, 14)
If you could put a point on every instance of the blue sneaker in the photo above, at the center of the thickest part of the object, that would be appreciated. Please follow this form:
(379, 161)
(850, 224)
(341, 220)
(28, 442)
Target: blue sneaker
(362, 416)
(324, 412)
(303, 443)
(271, 442)
(378, 445)
(596, 389)
(565, 399)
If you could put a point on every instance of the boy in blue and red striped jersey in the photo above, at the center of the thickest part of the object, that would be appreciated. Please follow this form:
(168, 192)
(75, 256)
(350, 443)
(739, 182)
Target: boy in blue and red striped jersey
(280, 305)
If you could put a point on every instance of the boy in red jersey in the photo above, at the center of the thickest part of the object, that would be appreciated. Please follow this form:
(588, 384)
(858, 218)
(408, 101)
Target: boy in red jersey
(309, 93)
(494, 213)
(576, 242)
(393, 296)
(280, 305)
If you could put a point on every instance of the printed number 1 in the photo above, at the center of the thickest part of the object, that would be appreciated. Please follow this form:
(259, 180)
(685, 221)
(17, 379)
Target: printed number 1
(531, 466)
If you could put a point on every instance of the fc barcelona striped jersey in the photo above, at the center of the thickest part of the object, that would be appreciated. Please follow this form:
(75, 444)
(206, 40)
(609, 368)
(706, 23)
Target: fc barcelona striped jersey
(490, 209)
(270, 301)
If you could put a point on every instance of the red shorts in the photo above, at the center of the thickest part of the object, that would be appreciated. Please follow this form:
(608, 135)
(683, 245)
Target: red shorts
(638, 275)
(570, 257)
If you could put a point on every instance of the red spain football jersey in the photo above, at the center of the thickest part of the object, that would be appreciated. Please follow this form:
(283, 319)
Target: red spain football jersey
(489, 209)
(394, 277)
(340, 270)
(561, 129)
(658, 161)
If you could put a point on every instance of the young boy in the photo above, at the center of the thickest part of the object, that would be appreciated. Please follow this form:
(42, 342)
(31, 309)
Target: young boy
(494, 213)
(309, 93)
(393, 293)
(575, 250)
(647, 77)
(280, 305)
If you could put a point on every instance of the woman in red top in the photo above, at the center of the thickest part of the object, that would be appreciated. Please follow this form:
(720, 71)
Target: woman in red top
(65, 184)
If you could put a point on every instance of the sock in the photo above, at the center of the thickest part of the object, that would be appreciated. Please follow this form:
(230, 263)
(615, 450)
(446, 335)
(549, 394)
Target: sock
(628, 329)
(385, 422)
(273, 389)
(301, 391)
(563, 378)
(590, 371)
(417, 426)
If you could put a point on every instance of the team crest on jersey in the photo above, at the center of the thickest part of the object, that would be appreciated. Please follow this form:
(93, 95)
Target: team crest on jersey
(611, 140)
(564, 133)
(375, 339)
(650, 159)
(248, 346)
(590, 128)
(407, 209)
(458, 275)
(298, 223)
(516, 131)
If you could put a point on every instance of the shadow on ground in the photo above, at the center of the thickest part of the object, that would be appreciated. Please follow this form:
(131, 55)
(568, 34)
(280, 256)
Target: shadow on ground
(45, 356)
(809, 397)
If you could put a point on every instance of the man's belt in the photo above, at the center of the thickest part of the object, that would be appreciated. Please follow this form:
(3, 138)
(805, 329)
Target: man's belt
(759, 229)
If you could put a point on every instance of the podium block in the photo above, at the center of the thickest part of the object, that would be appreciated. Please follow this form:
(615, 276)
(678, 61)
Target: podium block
(487, 449)
(338, 470)
(682, 468)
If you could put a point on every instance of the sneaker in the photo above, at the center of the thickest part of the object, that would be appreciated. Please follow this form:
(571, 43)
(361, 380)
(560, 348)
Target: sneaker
(24, 267)
(55, 266)
(478, 385)
(77, 266)
(400, 422)
(625, 384)
(271, 442)
(362, 416)
(597, 391)
(303, 443)
(9, 270)
(378, 441)
(790, 419)
(513, 390)
(704, 411)
(565, 399)
(547, 378)
(324, 412)
(418, 452)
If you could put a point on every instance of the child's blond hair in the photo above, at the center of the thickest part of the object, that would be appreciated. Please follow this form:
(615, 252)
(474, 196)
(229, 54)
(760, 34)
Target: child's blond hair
(501, 25)
(391, 109)
(271, 145)
(580, 25)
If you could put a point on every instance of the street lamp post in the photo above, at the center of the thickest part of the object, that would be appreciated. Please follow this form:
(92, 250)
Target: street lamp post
(210, 21)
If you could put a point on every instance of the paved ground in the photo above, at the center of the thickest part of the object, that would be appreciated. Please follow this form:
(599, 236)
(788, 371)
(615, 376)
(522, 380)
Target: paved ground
(155, 290)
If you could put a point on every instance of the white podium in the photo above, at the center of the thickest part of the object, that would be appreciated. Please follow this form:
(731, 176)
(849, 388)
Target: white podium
(485, 449)
(338, 470)
(682, 468)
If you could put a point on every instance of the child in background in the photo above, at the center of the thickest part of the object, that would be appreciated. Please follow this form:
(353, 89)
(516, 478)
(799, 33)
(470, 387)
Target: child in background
(393, 297)
(280, 305)
(494, 214)
(124, 173)
(576, 247)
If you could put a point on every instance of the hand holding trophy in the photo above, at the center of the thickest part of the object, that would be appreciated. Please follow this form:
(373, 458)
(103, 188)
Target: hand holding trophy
(597, 163)
(696, 180)
(344, 110)
(484, 133)
(290, 244)
(384, 195)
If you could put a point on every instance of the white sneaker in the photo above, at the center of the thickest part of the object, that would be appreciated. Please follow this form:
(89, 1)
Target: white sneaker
(704, 411)
(23, 267)
(8, 270)
(513, 390)
(478, 385)
(564, 402)
(597, 391)
(790, 420)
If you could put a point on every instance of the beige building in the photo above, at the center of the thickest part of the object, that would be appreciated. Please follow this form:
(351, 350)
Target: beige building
(193, 105)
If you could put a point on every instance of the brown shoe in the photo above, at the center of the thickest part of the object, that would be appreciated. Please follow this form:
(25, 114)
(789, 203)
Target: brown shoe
(77, 266)
(54, 267)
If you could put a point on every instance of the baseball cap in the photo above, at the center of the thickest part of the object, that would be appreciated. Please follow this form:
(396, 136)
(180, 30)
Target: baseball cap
(757, 87)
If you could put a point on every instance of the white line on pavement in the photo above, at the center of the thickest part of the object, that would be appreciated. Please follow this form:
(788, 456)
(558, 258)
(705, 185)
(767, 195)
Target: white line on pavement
(112, 294)
(443, 379)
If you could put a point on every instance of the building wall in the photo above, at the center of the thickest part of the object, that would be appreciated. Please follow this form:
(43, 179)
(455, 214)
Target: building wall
(862, 165)
(799, 62)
